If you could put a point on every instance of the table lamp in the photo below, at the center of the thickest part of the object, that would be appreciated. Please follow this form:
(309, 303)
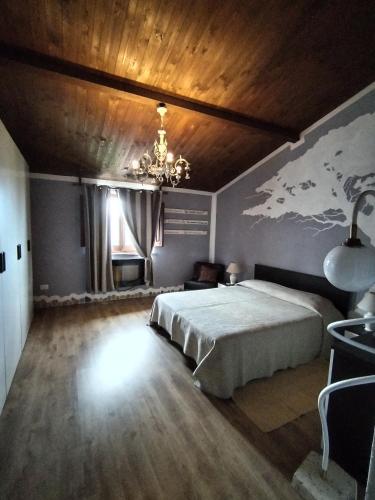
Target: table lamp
(351, 266)
(233, 269)
(367, 305)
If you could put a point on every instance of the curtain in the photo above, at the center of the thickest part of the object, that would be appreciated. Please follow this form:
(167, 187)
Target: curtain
(98, 238)
(141, 211)
(159, 237)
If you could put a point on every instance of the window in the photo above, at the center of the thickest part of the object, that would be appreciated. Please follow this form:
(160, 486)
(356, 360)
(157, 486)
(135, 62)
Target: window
(121, 239)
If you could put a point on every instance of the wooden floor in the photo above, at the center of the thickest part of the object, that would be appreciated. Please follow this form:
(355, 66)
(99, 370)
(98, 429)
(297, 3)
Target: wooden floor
(103, 407)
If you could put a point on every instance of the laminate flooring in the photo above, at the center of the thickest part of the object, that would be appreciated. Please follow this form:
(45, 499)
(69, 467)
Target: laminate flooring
(103, 407)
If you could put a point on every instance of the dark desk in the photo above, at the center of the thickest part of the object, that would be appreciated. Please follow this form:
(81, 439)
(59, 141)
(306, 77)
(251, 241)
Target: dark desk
(351, 412)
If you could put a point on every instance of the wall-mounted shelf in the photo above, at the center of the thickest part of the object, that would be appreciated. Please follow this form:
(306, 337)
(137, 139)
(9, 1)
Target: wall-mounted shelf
(186, 221)
(185, 231)
(185, 211)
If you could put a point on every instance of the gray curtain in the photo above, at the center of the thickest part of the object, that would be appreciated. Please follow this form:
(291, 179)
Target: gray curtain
(142, 210)
(98, 238)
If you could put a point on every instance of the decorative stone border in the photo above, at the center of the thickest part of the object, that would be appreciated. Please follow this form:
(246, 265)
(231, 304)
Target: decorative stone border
(43, 301)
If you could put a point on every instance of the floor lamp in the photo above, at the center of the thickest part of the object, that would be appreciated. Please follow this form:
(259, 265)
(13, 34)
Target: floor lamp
(350, 267)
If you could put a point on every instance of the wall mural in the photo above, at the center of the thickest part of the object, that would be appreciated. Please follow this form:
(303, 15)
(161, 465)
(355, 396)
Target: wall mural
(317, 190)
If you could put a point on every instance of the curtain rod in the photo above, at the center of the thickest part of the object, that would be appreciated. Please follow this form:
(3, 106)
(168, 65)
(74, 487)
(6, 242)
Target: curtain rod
(118, 184)
(75, 180)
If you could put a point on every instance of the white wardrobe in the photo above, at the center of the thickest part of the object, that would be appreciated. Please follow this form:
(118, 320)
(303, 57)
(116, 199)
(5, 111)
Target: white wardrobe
(15, 259)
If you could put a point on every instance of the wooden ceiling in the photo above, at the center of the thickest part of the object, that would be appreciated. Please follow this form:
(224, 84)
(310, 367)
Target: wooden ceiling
(80, 79)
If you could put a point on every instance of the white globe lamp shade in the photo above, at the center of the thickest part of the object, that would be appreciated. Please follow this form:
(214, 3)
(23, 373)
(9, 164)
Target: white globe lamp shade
(350, 268)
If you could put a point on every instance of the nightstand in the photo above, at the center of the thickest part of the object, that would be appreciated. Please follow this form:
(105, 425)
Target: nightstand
(224, 285)
(351, 412)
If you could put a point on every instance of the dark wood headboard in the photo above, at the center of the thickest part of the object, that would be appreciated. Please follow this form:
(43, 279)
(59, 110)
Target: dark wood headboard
(306, 282)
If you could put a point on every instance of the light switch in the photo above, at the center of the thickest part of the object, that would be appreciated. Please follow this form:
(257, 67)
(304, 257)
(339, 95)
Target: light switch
(44, 287)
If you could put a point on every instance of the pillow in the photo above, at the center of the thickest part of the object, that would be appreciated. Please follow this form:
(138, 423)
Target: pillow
(312, 301)
(308, 300)
(209, 274)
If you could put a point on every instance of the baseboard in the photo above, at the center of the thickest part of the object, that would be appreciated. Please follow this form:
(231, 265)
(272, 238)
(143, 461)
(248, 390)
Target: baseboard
(42, 301)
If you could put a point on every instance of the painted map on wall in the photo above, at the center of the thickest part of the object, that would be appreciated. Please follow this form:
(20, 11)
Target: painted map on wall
(318, 189)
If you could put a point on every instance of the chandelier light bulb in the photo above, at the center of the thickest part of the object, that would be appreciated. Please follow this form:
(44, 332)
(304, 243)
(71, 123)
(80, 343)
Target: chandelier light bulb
(170, 157)
(135, 164)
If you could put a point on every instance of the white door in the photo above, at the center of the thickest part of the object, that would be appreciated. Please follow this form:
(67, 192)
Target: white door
(30, 298)
(10, 278)
(3, 391)
(22, 253)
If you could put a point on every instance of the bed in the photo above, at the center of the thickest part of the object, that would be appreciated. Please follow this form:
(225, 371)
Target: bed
(240, 333)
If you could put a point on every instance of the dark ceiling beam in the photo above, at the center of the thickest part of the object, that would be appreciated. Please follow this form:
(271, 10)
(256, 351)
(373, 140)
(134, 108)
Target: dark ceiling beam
(90, 75)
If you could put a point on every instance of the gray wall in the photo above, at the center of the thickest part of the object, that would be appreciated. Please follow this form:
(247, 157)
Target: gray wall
(174, 261)
(59, 260)
(293, 209)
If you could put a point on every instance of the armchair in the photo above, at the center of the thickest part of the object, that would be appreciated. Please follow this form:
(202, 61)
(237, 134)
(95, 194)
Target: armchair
(205, 275)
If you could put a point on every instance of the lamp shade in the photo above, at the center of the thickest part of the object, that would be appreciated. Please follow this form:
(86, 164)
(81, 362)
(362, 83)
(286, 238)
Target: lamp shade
(233, 268)
(367, 304)
(350, 268)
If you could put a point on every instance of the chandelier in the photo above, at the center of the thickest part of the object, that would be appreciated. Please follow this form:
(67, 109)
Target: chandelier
(160, 165)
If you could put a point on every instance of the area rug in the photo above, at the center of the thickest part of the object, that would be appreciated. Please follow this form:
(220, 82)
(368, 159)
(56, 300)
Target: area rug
(273, 402)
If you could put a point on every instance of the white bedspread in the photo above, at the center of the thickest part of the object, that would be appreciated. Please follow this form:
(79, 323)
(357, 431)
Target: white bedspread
(240, 333)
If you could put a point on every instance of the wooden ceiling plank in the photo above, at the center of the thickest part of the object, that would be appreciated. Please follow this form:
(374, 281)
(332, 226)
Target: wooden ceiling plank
(81, 141)
(96, 110)
(119, 23)
(82, 14)
(101, 136)
(124, 51)
(71, 36)
(100, 102)
(107, 50)
(173, 68)
(54, 26)
(109, 133)
(152, 37)
(86, 33)
(145, 32)
(37, 25)
(211, 44)
(125, 143)
(168, 28)
(41, 61)
(131, 53)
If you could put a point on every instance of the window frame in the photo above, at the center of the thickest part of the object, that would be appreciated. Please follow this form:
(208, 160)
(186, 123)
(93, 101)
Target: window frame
(124, 247)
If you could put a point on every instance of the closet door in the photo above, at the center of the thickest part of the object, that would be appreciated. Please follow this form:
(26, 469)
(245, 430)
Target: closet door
(30, 298)
(10, 277)
(22, 253)
(3, 390)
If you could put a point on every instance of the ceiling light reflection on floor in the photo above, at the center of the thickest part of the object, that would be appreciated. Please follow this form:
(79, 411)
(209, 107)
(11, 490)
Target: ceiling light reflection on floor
(115, 364)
